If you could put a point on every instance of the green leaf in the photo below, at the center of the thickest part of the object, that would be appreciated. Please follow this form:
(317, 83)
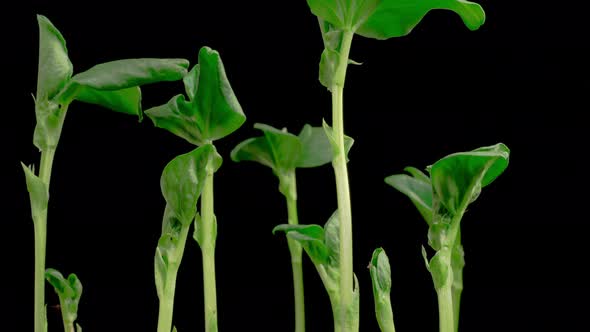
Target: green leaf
(417, 174)
(316, 148)
(285, 148)
(458, 178)
(183, 179)
(311, 238)
(396, 18)
(419, 192)
(440, 269)
(69, 292)
(332, 239)
(38, 194)
(254, 149)
(348, 141)
(122, 74)
(212, 111)
(55, 67)
(343, 14)
(381, 279)
(126, 101)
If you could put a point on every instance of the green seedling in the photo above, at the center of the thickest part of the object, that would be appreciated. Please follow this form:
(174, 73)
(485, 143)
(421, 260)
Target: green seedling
(181, 183)
(381, 279)
(442, 198)
(69, 292)
(211, 112)
(283, 153)
(339, 21)
(114, 85)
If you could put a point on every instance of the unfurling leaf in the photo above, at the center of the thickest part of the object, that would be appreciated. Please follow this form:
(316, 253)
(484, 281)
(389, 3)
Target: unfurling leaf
(69, 292)
(38, 193)
(381, 279)
(183, 178)
(212, 110)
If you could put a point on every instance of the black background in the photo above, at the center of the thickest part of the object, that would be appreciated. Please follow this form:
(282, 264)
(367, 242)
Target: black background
(522, 79)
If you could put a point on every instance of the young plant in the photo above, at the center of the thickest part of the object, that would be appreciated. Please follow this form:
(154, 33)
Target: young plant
(283, 153)
(381, 279)
(114, 85)
(339, 21)
(211, 112)
(442, 198)
(181, 183)
(69, 292)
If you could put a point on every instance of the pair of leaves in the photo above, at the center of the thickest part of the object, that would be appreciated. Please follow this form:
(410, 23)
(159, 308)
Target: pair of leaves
(383, 19)
(183, 179)
(212, 110)
(69, 292)
(381, 278)
(114, 85)
(283, 151)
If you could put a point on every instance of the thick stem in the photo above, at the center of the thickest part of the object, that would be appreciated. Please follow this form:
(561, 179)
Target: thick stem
(445, 309)
(296, 254)
(166, 309)
(342, 187)
(40, 229)
(208, 225)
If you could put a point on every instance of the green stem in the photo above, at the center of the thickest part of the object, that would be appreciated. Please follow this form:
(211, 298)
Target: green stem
(296, 254)
(40, 229)
(208, 224)
(166, 309)
(445, 309)
(342, 187)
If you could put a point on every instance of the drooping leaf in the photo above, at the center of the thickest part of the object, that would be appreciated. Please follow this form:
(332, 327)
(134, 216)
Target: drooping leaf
(212, 111)
(126, 101)
(396, 18)
(122, 74)
(343, 14)
(183, 179)
(456, 178)
(419, 192)
(381, 279)
(38, 193)
(311, 238)
(55, 68)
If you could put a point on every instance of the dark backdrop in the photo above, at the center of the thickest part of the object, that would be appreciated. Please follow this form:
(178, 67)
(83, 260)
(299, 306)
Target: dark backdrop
(522, 79)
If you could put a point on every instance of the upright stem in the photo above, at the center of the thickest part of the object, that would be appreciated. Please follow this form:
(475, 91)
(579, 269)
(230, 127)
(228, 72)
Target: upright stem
(167, 301)
(445, 309)
(208, 225)
(342, 186)
(296, 253)
(40, 229)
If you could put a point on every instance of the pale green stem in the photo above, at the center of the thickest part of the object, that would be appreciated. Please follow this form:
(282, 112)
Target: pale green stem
(208, 224)
(445, 309)
(166, 309)
(342, 187)
(296, 254)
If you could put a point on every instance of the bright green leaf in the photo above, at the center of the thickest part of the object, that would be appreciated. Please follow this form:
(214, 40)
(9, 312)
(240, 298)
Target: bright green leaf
(311, 238)
(183, 179)
(254, 149)
(285, 148)
(458, 178)
(126, 101)
(69, 292)
(343, 14)
(212, 111)
(417, 174)
(55, 67)
(419, 192)
(38, 193)
(396, 18)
